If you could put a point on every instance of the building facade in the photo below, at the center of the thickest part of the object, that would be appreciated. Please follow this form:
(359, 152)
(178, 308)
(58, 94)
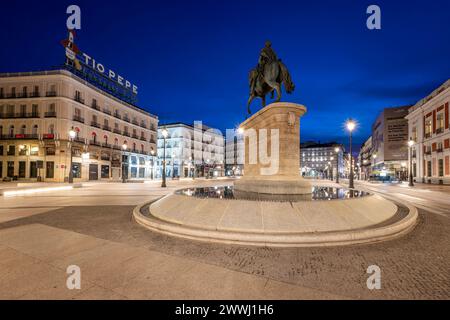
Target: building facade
(190, 151)
(429, 128)
(320, 160)
(389, 144)
(365, 160)
(39, 109)
(234, 155)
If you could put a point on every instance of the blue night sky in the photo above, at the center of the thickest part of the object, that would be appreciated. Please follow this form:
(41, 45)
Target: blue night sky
(190, 59)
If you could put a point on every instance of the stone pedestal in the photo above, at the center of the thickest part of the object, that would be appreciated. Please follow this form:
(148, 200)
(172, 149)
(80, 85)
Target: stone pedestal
(285, 117)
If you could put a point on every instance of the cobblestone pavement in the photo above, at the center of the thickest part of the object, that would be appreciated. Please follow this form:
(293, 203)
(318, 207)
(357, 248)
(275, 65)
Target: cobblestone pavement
(416, 266)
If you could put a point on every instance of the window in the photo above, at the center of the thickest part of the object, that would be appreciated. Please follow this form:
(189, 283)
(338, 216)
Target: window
(133, 160)
(52, 108)
(23, 110)
(1, 150)
(105, 172)
(441, 167)
(141, 172)
(23, 150)
(50, 151)
(50, 170)
(35, 129)
(133, 172)
(35, 109)
(429, 168)
(428, 128)
(10, 169)
(34, 151)
(440, 122)
(23, 129)
(76, 170)
(22, 169)
(33, 169)
(141, 161)
(11, 150)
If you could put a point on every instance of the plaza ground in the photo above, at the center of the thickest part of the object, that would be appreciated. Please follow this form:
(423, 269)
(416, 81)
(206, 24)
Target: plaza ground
(92, 227)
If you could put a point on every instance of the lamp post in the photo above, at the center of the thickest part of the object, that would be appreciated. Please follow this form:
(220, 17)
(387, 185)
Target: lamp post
(152, 152)
(351, 125)
(410, 144)
(164, 134)
(124, 148)
(72, 135)
(337, 163)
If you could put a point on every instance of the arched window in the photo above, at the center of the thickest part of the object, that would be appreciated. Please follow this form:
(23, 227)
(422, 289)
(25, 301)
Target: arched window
(106, 138)
(116, 142)
(134, 146)
(94, 137)
(23, 129)
(35, 129)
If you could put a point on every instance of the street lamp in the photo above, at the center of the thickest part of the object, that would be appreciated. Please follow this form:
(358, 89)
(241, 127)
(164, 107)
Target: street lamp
(124, 148)
(351, 125)
(72, 135)
(164, 134)
(337, 149)
(410, 144)
(152, 152)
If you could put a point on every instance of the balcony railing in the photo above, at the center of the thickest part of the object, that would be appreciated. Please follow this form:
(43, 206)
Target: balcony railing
(79, 140)
(135, 122)
(95, 143)
(126, 119)
(19, 115)
(118, 116)
(135, 136)
(106, 145)
(427, 135)
(19, 136)
(95, 124)
(117, 131)
(439, 130)
(143, 125)
(116, 147)
(50, 114)
(427, 152)
(126, 134)
(440, 150)
(78, 119)
(107, 111)
(35, 94)
(143, 138)
(95, 106)
(50, 94)
(107, 128)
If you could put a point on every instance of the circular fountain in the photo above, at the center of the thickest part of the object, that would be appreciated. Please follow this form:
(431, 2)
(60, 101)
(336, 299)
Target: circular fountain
(272, 205)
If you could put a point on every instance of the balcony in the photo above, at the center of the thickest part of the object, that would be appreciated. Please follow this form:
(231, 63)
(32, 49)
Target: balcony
(427, 152)
(116, 115)
(78, 119)
(439, 130)
(95, 106)
(116, 147)
(126, 134)
(79, 140)
(95, 143)
(106, 145)
(108, 112)
(152, 141)
(50, 94)
(20, 115)
(143, 138)
(79, 100)
(50, 114)
(135, 136)
(126, 119)
(143, 125)
(95, 124)
(48, 136)
(11, 96)
(19, 136)
(107, 128)
(427, 135)
(117, 131)
(22, 95)
(440, 150)
(35, 94)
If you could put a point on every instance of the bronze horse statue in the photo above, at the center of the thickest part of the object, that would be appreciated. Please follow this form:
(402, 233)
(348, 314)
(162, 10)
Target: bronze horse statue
(268, 78)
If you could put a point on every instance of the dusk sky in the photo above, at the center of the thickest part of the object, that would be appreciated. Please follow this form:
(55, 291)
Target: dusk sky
(190, 59)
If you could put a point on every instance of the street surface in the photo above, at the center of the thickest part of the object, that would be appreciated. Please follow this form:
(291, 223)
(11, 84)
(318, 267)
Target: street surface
(91, 227)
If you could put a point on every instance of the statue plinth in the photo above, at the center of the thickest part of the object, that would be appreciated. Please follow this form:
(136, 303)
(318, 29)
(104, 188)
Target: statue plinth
(285, 117)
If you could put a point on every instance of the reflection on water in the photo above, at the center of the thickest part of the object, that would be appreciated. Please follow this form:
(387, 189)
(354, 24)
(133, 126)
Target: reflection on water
(227, 192)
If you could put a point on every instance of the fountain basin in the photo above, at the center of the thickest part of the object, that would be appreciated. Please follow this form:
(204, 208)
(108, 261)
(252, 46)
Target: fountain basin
(344, 220)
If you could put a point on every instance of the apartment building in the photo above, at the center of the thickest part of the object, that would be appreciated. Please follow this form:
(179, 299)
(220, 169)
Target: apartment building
(190, 151)
(38, 110)
(429, 128)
